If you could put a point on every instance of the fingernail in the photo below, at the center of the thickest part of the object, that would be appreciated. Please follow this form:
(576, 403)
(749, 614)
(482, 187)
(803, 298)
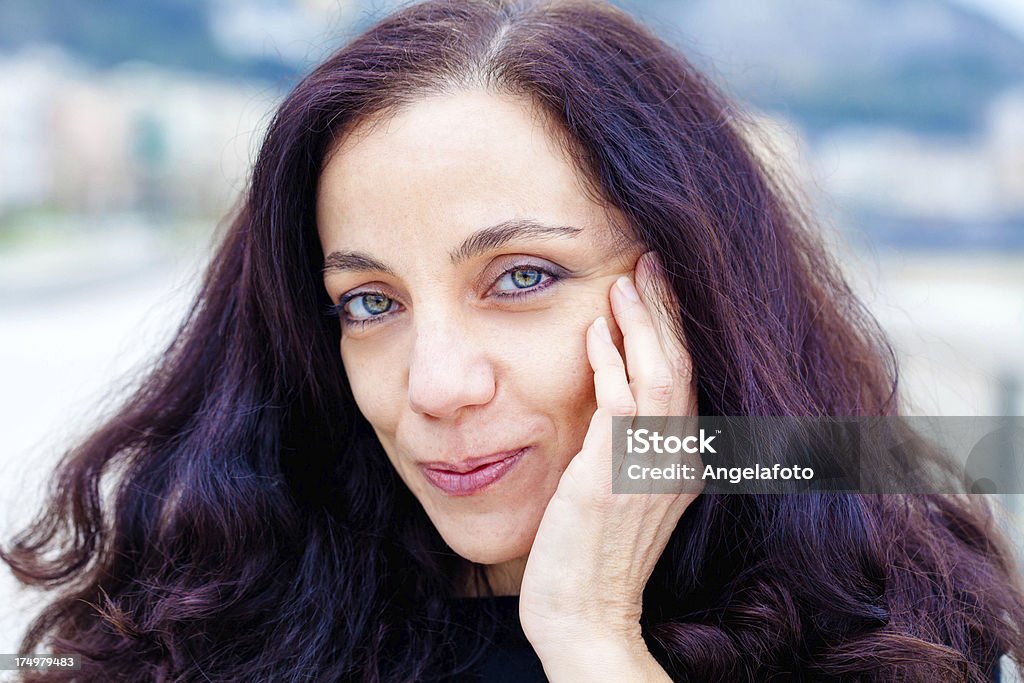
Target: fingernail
(649, 264)
(601, 327)
(627, 288)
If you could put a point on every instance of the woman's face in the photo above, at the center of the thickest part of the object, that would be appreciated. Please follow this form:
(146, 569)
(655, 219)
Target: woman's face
(468, 261)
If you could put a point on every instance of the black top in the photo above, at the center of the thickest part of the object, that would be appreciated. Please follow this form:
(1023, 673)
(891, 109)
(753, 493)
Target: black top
(509, 657)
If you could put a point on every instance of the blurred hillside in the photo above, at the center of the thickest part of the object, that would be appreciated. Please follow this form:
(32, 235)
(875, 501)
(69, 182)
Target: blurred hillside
(176, 34)
(905, 118)
(926, 65)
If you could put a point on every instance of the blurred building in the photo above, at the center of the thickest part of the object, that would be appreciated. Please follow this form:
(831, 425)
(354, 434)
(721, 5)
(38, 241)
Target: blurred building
(134, 138)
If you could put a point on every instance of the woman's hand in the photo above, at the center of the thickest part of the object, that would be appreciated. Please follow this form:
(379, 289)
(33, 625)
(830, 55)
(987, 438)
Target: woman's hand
(582, 590)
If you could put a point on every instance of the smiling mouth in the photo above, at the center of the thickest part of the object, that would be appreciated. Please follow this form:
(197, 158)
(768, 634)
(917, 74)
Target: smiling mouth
(465, 482)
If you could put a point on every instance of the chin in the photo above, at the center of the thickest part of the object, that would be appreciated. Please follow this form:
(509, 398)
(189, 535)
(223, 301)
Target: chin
(505, 549)
(491, 555)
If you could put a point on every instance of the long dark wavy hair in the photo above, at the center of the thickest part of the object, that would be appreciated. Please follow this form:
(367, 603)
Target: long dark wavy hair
(237, 519)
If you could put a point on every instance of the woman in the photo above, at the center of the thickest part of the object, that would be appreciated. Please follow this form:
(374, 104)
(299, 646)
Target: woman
(521, 219)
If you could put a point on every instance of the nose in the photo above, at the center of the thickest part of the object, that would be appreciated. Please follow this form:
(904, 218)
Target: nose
(448, 371)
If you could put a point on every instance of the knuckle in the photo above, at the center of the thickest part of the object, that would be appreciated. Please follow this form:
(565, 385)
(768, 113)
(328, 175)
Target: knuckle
(681, 363)
(622, 405)
(661, 387)
(682, 374)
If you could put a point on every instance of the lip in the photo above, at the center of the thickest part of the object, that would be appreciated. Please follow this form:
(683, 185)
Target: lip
(473, 474)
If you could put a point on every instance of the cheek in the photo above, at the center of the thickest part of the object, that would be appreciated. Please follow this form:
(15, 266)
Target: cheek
(552, 373)
(376, 384)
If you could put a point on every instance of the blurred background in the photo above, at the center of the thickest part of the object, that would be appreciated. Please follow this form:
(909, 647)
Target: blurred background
(127, 128)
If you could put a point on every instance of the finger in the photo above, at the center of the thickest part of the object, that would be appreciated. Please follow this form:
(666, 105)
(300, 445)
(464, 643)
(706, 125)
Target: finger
(650, 375)
(661, 302)
(615, 403)
(611, 387)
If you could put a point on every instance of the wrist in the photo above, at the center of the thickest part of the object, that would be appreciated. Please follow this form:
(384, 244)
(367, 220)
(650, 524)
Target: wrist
(599, 657)
(558, 626)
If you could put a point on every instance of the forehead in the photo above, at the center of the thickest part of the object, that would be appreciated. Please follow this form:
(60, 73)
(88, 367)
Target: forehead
(445, 166)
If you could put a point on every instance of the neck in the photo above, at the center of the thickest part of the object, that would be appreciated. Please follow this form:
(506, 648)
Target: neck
(504, 579)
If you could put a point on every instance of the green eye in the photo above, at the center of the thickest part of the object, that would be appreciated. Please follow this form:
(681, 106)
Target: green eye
(525, 277)
(376, 303)
(365, 306)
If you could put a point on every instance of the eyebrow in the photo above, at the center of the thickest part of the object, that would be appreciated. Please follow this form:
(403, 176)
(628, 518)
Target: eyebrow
(481, 241)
